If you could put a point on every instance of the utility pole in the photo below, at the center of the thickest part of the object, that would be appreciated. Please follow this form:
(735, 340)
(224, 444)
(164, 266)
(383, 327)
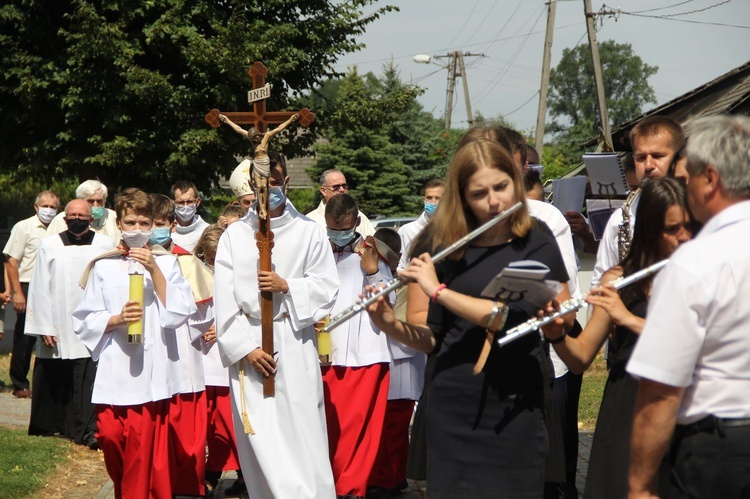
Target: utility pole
(542, 112)
(469, 116)
(456, 68)
(600, 96)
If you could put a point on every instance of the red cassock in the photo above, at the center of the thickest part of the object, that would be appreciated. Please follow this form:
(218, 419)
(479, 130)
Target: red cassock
(135, 443)
(187, 443)
(355, 399)
(222, 446)
(389, 470)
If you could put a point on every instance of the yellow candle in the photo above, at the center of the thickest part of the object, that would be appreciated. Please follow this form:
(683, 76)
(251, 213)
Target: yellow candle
(135, 329)
(324, 341)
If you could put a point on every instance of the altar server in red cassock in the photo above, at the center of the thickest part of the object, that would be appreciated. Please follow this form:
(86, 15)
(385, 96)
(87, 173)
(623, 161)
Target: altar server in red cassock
(356, 382)
(134, 382)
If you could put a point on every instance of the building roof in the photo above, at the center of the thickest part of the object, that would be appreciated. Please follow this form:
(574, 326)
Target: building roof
(727, 94)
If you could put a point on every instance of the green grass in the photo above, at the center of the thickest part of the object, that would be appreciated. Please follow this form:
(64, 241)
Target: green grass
(25, 461)
(592, 390)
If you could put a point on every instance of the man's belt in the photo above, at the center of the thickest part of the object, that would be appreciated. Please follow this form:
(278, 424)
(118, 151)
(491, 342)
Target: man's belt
(711, 424)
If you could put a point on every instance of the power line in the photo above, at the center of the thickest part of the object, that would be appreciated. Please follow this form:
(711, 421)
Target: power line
(465, 23)
(513, 58)
(697, 10)
(484, 20)
(522, 105)
(663, 8)
(502, 28)
(688, 21)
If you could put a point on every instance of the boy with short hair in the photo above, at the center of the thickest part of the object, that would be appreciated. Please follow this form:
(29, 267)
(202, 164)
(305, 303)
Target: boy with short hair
(356, 382)
(188, 412)
(134, 383)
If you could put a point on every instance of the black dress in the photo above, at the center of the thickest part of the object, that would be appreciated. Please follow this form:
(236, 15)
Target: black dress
(486, 435)
(610, 451)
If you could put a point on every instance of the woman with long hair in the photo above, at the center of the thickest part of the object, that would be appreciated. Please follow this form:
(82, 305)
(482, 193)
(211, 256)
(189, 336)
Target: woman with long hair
(662, 224)
(486, 435)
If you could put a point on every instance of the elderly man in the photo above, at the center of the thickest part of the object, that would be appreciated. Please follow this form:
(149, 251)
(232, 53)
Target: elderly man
(21, 251)
(189, 226)
(103, 219)
(693, 357)
(63, 372)
(333, 182)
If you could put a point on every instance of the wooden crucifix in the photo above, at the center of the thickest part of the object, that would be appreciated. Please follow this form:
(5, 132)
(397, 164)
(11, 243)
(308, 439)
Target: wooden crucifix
(260, 119)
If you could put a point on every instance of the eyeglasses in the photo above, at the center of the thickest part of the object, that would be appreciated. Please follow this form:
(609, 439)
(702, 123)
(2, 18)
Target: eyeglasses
(337, 187)
(187, 202)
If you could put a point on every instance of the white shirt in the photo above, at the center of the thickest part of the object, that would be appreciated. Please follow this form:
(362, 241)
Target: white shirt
(408, 233)
(187, 236)
(560, 228)
(23, 245)
(54, 293)
(214, 372)
(357, 342)
(697, 332)
(131, 374)
(608, 254)
(319, 215)
(106, 225)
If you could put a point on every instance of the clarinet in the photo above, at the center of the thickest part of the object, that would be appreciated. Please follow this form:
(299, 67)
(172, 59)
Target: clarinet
(624, 235)
(398, 282)
(574, 304)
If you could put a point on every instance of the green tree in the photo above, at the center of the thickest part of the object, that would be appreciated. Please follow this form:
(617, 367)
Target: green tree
(572, 93)
(572, 97)
(118, 89)
(379, 136)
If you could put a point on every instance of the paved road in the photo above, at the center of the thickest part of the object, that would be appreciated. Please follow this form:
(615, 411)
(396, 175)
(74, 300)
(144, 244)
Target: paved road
(15, 412)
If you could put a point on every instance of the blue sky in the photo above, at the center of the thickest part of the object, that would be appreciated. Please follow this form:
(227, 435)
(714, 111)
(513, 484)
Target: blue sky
(511, 35)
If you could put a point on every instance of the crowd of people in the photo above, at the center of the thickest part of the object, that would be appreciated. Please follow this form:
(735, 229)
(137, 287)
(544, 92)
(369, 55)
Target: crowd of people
(147, 322)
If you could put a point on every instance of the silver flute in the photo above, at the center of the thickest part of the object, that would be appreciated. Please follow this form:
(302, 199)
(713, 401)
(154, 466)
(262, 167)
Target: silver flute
(398, 282)
(574, 304)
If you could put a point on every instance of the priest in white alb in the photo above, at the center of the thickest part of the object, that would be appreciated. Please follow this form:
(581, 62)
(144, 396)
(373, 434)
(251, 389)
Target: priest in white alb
(284, 452)
(63, 370)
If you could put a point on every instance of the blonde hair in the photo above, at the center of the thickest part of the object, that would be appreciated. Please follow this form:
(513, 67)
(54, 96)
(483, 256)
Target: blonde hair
(453, 218)
(208, 241)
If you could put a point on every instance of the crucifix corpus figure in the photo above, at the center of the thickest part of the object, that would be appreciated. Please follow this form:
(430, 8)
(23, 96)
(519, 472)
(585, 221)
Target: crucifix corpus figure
(261, 169)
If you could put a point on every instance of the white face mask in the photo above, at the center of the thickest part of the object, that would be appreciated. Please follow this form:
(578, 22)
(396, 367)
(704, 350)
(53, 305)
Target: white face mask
(46, 215)
(136, 238)
(186, 213)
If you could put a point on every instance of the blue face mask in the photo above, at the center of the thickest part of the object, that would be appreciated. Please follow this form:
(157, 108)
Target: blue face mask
(276, 197)
(97, 212)
(341, 237)
(430, 208)
(160, 235)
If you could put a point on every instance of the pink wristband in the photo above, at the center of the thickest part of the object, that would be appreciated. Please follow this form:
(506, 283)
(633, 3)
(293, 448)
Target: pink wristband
(438, 291)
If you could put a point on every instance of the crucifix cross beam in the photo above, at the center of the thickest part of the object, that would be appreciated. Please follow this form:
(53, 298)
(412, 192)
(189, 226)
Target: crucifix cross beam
(259, 117)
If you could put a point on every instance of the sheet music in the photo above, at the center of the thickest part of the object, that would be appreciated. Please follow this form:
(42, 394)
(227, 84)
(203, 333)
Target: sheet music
(606, 173)
(568, 193)
(599, 211)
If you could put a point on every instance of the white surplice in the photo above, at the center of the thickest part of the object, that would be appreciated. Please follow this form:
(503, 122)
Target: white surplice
(288, 454)
(213, 370)
(357, 342)
(186, 236)
(54, 294)
(132, 374)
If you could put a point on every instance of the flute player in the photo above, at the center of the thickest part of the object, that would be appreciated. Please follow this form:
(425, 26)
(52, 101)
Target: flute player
(486, 435)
